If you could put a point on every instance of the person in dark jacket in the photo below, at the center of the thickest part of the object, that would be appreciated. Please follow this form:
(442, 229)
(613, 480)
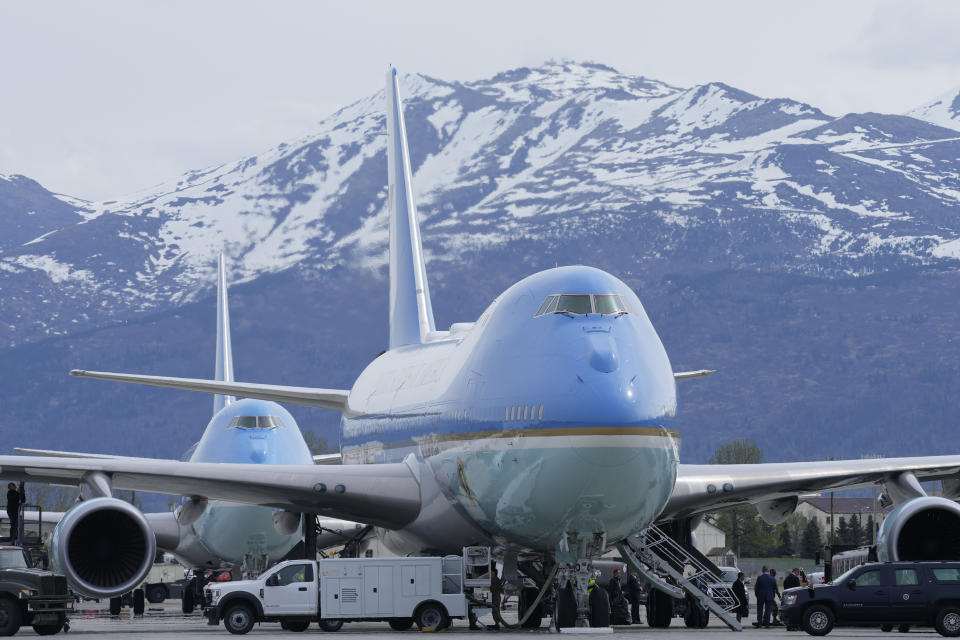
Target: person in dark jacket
(764, 591)
(614, 588)
(635, 589)
(740, 591)
(15, 497)
(792, 580)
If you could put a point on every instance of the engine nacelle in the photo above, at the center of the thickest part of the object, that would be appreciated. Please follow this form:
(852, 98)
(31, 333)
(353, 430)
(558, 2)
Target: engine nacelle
(104, 546)
(925, 528)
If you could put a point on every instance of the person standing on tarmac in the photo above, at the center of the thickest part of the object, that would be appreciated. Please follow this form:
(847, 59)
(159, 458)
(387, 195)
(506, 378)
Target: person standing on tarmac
(636, 590)
(764, 590)
(15, 498)
(773, 603)
(792, 580)
(614, 588)
(740, 591)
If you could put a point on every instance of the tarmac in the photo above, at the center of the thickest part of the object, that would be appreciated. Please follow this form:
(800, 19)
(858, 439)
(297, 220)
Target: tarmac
(166, 620)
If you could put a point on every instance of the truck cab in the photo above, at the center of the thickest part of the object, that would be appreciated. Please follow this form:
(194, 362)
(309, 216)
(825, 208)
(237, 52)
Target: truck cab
(31, 596)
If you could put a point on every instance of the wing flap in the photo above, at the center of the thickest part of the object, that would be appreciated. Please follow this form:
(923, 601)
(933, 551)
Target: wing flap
(335, 399)
(688, 375)
(386, 495)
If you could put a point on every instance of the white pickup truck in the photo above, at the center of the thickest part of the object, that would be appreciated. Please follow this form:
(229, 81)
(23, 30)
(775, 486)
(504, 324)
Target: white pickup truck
(427, 591)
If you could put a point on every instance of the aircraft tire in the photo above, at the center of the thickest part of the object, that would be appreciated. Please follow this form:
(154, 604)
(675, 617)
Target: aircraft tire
(295, 625)
(51, 629)
(116, 604)
(138, 602)
(527, 596)
(401, 624)
(9, 617)
(659, 609)
(599, 607)
(186, 601)
(330, 625)
(564, 608)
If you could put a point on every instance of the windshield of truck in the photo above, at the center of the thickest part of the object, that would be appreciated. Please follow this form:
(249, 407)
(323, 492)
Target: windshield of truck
(12, 559)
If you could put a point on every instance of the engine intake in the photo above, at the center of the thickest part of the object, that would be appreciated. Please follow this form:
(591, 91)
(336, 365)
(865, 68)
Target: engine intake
(921, 529)
(104, 546)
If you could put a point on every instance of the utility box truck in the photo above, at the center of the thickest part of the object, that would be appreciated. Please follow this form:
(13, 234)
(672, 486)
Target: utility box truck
(427, 591)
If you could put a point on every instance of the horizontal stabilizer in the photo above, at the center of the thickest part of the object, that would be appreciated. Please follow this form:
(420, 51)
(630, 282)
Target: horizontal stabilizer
(328, 458)
(335, 399)
(699, 373)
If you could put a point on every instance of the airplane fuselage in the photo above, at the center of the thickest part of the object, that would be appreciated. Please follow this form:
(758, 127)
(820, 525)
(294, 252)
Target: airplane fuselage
(528, 427)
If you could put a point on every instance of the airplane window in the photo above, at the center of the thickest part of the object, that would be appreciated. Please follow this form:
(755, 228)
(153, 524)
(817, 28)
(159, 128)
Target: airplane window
(578, 304)
(583, 304)
(605, 304)
(255, 422)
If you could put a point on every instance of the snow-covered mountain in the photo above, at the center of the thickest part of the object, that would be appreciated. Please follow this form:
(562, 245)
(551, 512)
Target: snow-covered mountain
(944, 111)
(799, 252)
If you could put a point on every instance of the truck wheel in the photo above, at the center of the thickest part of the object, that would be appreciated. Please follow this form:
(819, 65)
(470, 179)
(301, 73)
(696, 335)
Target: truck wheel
(431, 615)
(599, 607)
(817, 620)
(903, 628)
(9, 617)
(50, 629)
(238, 619)
(138, 604)
(948, 622)
(156, 593)
(886, 628)
(115, 605)
(330, 625)
(401, 624)
(186, 600)
(295, 625)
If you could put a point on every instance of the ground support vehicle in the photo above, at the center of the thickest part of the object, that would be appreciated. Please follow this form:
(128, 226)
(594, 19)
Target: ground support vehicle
(880, 594)
(427, 591)
(31, 596)
(165, 580)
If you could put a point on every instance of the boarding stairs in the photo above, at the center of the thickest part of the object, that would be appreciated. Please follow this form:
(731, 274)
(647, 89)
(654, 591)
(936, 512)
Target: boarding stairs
(660, 560)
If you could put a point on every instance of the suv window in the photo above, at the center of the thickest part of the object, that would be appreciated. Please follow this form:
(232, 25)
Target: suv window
(946, 575)
(869, 578)
(295, 573)
(904, 577)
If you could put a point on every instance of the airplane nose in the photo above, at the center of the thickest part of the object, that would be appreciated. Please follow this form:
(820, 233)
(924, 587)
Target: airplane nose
(602, 351)
(258, 448)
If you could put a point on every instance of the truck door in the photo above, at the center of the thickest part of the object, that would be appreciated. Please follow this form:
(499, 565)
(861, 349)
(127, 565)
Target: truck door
(866, 597)
(908, 598)
(291, 590)
(377, 590)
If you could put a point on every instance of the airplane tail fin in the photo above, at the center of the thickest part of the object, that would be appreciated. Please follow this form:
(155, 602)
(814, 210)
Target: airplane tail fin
(411, 314)
(224, 366)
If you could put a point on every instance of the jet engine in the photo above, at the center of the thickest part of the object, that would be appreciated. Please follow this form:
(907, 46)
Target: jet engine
(926, 528)
(104, 546)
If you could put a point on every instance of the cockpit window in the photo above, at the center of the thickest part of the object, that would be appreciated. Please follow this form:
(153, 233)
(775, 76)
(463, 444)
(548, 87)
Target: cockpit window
(255, 422)
(583, 304)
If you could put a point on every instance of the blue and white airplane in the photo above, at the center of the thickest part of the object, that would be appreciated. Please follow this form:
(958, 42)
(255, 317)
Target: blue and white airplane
(215, 534)
(547, 429)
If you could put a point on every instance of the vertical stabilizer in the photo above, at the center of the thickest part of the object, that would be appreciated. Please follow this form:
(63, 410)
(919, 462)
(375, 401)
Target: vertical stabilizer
(411, 314)
(224, 370)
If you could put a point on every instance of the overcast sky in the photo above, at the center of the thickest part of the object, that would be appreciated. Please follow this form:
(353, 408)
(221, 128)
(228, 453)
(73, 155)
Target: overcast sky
(100, 99)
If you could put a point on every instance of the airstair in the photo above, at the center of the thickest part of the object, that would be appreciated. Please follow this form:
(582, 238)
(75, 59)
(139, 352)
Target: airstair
(680, 572)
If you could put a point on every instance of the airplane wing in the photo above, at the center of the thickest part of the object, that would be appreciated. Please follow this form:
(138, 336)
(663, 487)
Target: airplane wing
(335, 399)
(51, 453)
(328, 458)
(386, 495)
(702, 488)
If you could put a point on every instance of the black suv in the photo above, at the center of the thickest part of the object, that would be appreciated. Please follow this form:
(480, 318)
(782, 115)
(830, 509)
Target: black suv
(885, 594)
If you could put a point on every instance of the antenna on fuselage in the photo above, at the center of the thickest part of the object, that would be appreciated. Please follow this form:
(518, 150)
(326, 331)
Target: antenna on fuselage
(224, 366)
(411, 314)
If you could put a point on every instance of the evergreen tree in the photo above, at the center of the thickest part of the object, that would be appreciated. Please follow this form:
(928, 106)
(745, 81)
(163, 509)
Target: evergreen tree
(842, 535)
(812, 541)
(786, 540)
(856, 531)
(868, 530)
